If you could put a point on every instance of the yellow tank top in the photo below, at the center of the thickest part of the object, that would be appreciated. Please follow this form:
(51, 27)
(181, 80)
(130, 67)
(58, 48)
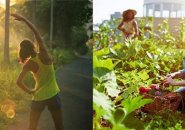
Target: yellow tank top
(46, 84)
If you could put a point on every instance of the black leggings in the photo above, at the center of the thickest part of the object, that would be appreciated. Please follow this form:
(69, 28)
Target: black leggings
(54, 106)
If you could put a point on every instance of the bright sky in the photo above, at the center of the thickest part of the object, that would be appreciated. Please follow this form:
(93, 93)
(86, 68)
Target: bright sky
(12, 2)
(102, 9)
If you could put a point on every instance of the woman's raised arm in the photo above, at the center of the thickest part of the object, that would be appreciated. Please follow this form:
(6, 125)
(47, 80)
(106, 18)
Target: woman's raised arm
(42, 48)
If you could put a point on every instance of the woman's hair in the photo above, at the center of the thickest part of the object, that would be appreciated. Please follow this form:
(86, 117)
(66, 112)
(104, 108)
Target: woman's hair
(27, 49)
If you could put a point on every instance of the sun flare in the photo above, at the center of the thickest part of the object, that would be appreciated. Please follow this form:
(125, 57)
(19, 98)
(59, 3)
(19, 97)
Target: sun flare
(8, 108)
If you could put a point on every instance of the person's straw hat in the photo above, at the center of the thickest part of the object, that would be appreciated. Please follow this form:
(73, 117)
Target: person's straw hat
(130, 10)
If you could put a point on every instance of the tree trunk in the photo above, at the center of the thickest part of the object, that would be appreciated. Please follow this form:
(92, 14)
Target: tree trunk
(6, 45)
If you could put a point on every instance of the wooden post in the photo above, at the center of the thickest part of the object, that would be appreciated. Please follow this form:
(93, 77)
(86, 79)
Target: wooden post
(6, 44)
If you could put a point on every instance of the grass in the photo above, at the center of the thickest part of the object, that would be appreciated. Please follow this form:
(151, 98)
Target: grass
(9, 90)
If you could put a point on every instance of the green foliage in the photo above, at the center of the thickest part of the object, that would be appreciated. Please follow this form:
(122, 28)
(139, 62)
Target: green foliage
(173, 121)
(79, 38)
(181, 36)
(62, 56)
(70, 22)
(101, 106)
(131, 105)
(121, 67)
(10, 91)
(101, 38)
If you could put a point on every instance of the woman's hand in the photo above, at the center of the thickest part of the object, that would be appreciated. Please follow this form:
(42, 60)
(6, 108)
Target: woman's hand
(18, 17)
(169, 81)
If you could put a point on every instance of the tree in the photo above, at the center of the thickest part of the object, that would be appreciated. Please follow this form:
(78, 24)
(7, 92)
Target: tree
(6, 45)
(66, 15)
(69, 14)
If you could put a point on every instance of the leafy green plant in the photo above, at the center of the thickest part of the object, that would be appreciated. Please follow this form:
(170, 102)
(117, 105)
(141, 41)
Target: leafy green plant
(119, 69)
(62, 57)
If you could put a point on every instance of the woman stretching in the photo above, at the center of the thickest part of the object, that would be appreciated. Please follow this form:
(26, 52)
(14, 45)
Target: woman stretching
(46, 91)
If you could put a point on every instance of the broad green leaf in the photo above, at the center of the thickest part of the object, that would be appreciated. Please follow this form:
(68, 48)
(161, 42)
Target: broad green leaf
(99, 111)
(166, 69)
(100, 87)
(120, 127)
(112, 88)
(107, 79)
(131, 105)
(99, 72)
(133, 64)
(101, 100)
(118, 47)
(132, 122)
(102, 63)
(142, 65)
(111, 85)
(110, 76)
(143, 75)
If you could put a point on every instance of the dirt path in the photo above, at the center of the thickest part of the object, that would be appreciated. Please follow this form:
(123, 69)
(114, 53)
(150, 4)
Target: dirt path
(75, 81)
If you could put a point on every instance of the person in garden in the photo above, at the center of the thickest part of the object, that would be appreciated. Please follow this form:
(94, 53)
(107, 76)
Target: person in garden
(128, 25)
(46, 90)
(170, 80)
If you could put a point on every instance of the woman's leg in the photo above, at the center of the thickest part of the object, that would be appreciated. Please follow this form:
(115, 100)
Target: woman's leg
(55, 108)
(36, 110)
(34, 119)
(57, 118)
